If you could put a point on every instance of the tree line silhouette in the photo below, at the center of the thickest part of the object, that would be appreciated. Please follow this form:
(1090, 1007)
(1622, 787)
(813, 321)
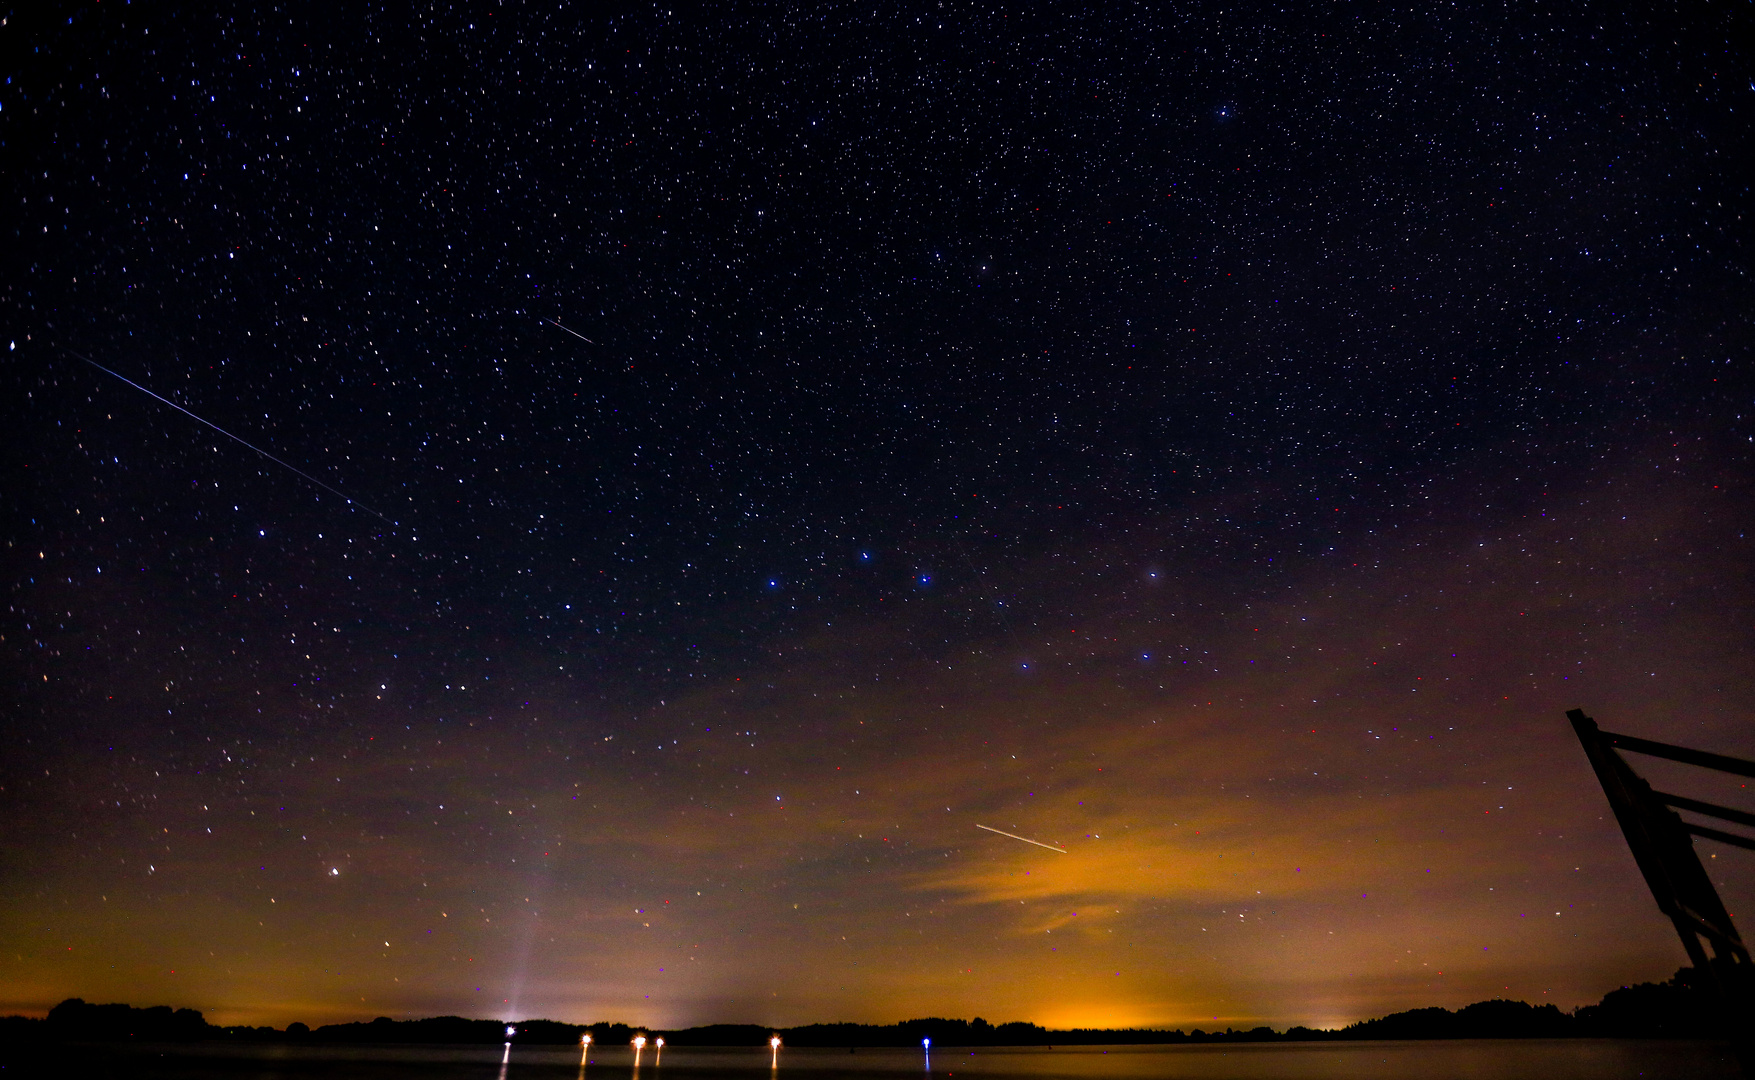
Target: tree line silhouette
(1676, 1008)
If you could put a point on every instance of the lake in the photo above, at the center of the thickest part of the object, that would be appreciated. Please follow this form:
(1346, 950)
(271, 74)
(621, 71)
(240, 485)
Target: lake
(1476, 1059)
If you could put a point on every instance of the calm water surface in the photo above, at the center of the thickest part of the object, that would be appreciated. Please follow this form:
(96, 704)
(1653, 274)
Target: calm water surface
(1524, 1059)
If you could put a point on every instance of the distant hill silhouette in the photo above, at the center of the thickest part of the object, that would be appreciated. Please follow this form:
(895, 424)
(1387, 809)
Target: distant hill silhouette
(1678, 1008)
(456, 1029)
(1496, 1019)
(74, 1019)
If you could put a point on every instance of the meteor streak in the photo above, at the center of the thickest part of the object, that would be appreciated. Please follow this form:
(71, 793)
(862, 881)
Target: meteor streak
(575, 333)
(1025, 839)
(234, 438)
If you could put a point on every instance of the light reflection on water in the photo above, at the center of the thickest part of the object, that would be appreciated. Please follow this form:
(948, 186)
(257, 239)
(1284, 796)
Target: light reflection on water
(1481, 1059)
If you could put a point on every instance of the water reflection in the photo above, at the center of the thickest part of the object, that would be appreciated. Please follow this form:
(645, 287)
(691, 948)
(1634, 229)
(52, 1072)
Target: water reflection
(1483, 1059)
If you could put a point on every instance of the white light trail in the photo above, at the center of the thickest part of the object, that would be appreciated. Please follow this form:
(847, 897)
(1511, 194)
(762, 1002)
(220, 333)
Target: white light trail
(575, 333)
(1025, 839)
(234, 438)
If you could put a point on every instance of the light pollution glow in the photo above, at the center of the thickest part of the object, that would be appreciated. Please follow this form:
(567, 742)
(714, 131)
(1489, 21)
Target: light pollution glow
(1349, 791)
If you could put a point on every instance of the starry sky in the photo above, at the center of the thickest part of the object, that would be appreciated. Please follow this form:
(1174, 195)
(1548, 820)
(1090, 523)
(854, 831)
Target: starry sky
(713, 459)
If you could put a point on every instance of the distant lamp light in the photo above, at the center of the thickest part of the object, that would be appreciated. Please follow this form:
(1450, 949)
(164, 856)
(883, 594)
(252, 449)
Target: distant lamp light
(658, 1043)
(639, 1042)
(926, 1044)
(510, 1031)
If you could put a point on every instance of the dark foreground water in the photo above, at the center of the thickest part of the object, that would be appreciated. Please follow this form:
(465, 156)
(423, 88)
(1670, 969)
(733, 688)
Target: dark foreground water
(1478, 1059)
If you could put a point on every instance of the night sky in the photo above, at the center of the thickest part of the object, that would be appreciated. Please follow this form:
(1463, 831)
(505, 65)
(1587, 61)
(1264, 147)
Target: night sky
(1218, 441)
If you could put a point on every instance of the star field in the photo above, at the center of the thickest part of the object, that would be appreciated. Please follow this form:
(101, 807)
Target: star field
(1221, 442)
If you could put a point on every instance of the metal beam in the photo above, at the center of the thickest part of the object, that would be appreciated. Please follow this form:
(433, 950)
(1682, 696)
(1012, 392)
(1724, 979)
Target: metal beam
(1720, 762)
(1722, 812)
(1722, 837)
(1663, 846)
